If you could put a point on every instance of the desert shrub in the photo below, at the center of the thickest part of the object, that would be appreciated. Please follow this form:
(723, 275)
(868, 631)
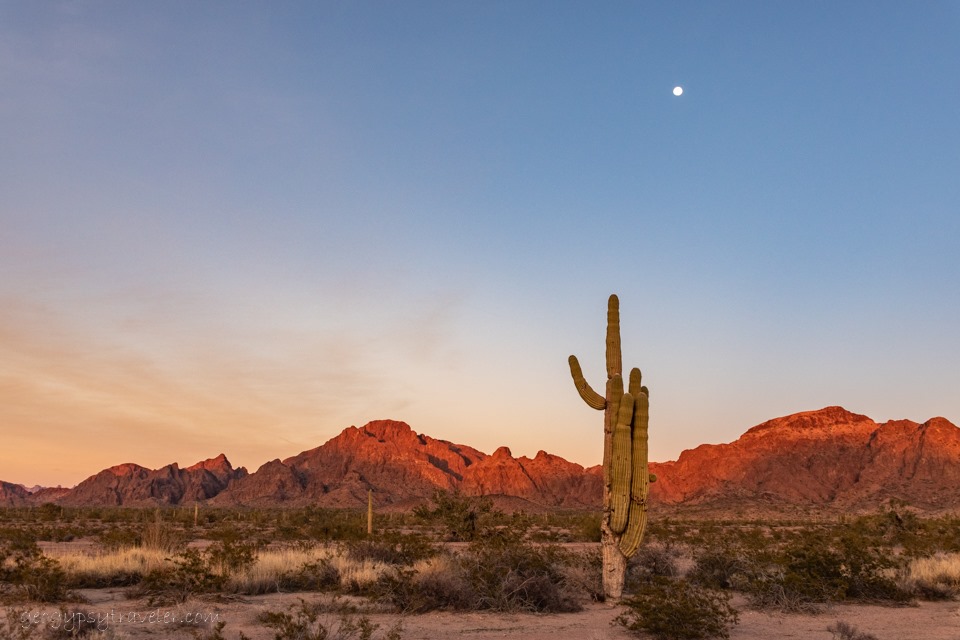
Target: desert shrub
(305, 622)
(188, 573)
(229, 556)
(870, 573)
(845, 631)
(48, 512)
(463, 518)
(724, 567)
(315, 523)
(507, 574)
(583, 573)
(814, 569)
(397, 549)
(678, 610)
(27, 574)
(411, 591)
(118, 538)
(650, 562)
(588, 529)
(319, 575)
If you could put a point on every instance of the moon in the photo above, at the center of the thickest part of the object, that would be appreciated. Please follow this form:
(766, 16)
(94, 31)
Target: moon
(678, 91)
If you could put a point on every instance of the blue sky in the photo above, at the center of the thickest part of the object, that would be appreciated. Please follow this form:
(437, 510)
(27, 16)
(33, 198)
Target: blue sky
(243, 227)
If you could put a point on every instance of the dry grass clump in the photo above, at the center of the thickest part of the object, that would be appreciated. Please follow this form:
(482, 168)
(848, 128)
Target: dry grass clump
(318, 568)
(296, 569)
(160, 535)
(935, 577)
(118, 567)
(845, 631)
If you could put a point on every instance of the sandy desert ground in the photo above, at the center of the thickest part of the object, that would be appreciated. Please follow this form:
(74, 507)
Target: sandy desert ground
(135, 620)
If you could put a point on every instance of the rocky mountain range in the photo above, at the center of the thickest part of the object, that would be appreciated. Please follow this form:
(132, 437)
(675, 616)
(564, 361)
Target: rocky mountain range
(826, 459)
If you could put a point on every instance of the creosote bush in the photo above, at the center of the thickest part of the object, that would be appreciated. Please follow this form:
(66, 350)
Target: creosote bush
(188, 573)
(27, 574)
(463, 518)
(652, 561)
(725, 566)
(813, 570)
(678, 610)
(508, 574)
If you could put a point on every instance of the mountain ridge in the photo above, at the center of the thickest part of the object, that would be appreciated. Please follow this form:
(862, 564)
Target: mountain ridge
(830, 458)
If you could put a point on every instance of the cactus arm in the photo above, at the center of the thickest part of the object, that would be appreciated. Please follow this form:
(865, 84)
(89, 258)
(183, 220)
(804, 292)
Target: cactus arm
(614, 358)
(641, 479)
(591, 397)
(621, 471)
(614, 393)
(635, 387)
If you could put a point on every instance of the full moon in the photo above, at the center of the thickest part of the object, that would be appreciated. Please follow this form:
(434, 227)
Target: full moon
(677, 91)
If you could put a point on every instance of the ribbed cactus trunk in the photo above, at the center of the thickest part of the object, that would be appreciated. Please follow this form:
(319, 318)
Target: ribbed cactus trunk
(369, 512)
(626, 477)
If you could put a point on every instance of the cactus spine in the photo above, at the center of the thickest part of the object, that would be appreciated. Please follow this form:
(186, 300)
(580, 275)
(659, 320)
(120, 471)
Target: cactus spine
(626, 476)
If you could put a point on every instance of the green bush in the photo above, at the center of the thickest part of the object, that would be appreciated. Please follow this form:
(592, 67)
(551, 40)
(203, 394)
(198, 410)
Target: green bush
(464, 518)
(189, 574)
(118, 538)
(230, 556)
(726, 567)
(27, 574)
(650, 562)
(678, 610)
(814, 569)
(410, 592)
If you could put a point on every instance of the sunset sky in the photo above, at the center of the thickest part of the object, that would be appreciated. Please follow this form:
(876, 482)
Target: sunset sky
(242, 227)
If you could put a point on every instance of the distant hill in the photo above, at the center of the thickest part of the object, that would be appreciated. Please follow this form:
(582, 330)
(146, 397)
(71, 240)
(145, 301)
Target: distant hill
(825, 459)
(830, 457)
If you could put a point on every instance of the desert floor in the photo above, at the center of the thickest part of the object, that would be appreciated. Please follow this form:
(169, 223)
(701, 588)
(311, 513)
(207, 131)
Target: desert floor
(132, 619)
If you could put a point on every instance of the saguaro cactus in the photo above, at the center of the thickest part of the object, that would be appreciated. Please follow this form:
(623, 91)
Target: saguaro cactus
(626, 476)
(369, 512)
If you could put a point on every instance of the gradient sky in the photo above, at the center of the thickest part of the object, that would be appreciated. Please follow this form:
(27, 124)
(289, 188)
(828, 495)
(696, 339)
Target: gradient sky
(242, 227)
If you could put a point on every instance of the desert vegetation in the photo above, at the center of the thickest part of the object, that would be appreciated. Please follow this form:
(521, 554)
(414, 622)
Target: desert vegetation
(461, 554)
